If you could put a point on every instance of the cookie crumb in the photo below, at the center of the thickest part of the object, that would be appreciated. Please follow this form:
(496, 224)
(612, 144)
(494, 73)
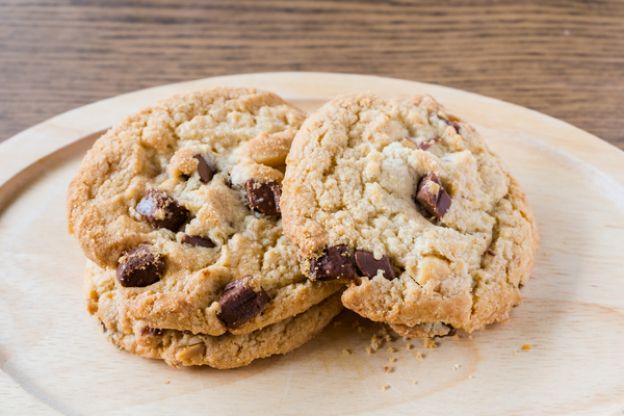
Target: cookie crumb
(379, 340)
(430, 343)
(526, 347)
(456, 367)
(388, 369)
(393, 359)
(167, 381)
(392, 349)
(419, 355)
(386, 387)
(409, 346)
(414, 381)
(347, 351)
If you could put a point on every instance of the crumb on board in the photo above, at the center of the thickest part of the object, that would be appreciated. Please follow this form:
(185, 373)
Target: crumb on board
(386, 387)
(393, 359)
(388, 369)
(456, 367)
(379, 339)
(347, 351)
(409, 346)
(419, 355)
(526, 347)
(430, 343)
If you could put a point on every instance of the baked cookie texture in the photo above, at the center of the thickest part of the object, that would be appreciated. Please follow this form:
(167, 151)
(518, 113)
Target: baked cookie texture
(182, 199)
(405, 203)
(183, 348)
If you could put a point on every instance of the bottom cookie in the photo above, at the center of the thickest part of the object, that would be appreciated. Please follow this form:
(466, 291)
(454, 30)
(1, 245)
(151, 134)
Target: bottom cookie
(180, 348)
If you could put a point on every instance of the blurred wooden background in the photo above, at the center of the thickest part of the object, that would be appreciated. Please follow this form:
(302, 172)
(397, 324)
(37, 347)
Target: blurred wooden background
(563, 58)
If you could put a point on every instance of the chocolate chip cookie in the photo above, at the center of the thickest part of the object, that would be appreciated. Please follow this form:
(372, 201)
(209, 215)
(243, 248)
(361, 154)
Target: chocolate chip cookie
(405, 203)
(183, 348)
(183, 201)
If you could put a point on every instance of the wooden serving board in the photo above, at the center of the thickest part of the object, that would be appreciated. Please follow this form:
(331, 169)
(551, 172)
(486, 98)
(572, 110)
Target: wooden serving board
(54, 359)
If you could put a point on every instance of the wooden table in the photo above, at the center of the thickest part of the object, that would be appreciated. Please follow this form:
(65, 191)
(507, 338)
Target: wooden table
(563, 58)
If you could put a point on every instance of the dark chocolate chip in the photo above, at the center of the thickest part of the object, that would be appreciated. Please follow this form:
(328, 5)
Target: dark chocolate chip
(195, 240)
(162, 211)
(140, 268)
(432, 196)
(205, 170)
(148, 330)
(368, 265)
(425, 145)
(239, 303)
(103, 326)
(264, 197)
(335, 263)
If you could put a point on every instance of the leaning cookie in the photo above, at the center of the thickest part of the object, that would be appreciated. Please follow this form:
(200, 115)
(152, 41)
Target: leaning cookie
(407, 205)
(180, 348)
(182, 199)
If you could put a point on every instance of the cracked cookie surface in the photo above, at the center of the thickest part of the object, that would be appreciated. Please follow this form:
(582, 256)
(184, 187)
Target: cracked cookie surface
(405, 204)
(181, 348)
(182, 199)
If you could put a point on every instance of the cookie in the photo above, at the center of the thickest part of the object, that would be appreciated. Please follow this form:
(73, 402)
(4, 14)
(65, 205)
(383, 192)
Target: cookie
(182, 200)
(405, 203)
(182, 348)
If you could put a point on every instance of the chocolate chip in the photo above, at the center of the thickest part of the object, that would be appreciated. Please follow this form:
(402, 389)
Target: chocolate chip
(335, 263)
(264, 197)
(368, 265)
(140, 268)
(425, 145)
(103, 326)
(205, 170)
(162, 211)
(195, 240)
(432, 196)
(239, 303)
(148, 330)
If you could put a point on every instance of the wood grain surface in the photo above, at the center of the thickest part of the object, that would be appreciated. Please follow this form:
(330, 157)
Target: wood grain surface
(563, 58)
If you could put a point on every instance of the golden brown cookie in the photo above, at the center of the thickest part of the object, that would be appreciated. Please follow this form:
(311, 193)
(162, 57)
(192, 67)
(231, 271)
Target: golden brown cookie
(407, 205)
(182, 200)
(182, 348)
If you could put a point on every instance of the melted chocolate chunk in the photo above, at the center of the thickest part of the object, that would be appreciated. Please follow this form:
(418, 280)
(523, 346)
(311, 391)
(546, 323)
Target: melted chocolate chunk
(148, 330)
(335, 263)
(204, 169)
(140, 268)
(432, 196)
(239, 303)
(264, 197)
(162, 211)
(368, 265)
(195, 240)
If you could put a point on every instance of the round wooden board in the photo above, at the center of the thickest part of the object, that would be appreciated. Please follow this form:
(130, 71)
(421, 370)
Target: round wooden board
(54, 359)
